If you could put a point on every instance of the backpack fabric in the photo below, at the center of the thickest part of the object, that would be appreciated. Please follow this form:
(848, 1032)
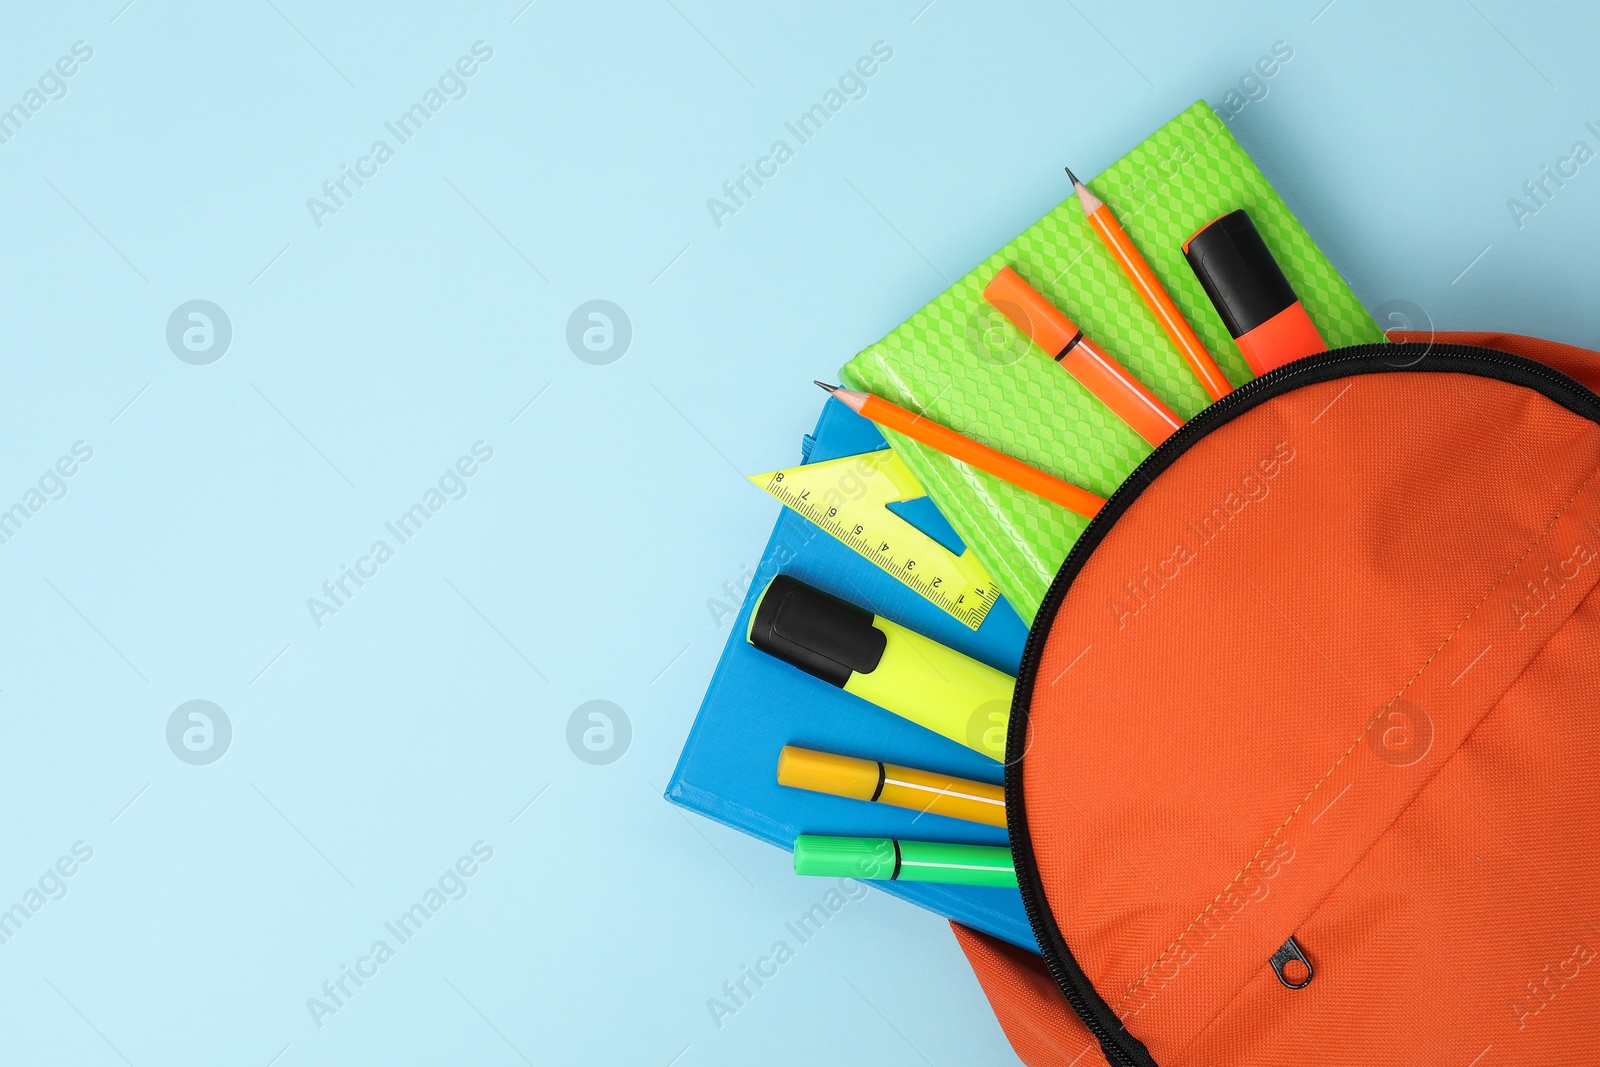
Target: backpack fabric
(1303, 763)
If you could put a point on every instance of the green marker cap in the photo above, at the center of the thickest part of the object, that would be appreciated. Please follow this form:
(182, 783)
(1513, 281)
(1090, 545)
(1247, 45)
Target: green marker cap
(845, 857)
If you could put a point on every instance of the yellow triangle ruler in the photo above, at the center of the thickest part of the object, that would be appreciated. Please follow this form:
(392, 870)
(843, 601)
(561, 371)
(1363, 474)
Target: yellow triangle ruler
(846, 497)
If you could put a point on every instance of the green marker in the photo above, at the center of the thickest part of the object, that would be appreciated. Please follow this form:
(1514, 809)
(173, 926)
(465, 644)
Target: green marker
(884, 663)
(883, 858)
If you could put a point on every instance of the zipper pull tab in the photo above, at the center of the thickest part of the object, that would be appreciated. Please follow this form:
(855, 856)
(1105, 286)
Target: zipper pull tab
(1291, 965)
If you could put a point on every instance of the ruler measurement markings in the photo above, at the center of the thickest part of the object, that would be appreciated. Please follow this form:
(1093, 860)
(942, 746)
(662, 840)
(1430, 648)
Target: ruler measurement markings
(856, 524)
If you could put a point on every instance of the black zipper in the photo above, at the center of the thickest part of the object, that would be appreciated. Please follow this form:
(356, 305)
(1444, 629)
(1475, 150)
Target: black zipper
(1121, 1048)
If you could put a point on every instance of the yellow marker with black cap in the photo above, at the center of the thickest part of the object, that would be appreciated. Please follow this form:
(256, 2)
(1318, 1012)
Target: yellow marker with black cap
(884, 663)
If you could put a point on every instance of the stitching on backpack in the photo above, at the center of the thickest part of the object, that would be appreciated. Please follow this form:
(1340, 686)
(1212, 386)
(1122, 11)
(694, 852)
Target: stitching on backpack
(1432, 779)
(1378, 717)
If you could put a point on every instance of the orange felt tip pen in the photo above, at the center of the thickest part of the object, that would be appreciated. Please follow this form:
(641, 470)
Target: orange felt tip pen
(1103, 376)
(1150, 290)
(965, 449)
(887, 783)
(1248, 289)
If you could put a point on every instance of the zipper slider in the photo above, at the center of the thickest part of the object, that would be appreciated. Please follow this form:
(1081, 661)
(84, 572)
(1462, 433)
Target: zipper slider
(1291, 965)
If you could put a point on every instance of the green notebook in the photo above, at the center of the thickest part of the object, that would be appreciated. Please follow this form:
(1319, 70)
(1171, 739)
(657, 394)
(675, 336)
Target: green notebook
(959, 361)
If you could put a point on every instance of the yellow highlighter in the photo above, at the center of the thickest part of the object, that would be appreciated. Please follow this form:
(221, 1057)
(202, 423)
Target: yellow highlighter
(887, 783)
(884, 663)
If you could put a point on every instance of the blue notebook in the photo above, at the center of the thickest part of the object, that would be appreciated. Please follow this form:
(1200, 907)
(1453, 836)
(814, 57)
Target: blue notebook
(757, 704)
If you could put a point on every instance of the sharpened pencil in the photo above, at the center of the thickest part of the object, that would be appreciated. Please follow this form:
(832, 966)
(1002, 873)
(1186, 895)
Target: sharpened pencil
(1150, 290)
(968, 451)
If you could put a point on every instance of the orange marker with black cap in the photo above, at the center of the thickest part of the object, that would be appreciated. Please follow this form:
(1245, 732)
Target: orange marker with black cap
(1248, 289)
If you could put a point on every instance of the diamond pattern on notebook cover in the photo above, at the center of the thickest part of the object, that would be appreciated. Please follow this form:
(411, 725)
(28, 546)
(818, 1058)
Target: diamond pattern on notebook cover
(962, 365)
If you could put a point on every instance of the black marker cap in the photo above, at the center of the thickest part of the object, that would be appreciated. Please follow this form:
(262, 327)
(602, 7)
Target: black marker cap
(821, 634)
(1244, 282)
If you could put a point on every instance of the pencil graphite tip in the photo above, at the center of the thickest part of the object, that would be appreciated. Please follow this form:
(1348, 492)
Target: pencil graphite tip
(851, 399)
(824, 386)
(1088, 200)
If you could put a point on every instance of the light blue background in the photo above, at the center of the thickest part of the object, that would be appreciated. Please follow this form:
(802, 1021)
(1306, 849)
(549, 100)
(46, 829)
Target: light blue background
(369, 354)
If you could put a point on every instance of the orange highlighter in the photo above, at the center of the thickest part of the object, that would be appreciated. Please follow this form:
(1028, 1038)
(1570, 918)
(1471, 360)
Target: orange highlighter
(1103, 376)
(1251, 295)
(886, 783)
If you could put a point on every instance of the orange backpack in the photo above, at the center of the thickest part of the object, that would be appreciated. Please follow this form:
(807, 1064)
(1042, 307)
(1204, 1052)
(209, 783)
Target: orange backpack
(1304, 759)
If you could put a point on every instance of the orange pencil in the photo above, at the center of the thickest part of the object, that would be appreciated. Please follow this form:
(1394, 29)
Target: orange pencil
(1062, 341)
(967, 450)
(1155, 297)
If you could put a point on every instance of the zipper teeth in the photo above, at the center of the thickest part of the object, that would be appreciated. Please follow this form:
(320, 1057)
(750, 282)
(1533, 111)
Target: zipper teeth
(1113, 1045)
(1202, 423)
